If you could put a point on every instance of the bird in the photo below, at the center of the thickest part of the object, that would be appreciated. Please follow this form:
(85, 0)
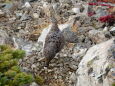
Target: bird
(54, 42)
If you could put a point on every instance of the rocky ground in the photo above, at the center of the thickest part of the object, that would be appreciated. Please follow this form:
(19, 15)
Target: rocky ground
(88, 56)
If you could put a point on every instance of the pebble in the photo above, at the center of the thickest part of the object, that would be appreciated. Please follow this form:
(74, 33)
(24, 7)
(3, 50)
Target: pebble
(105, 29)
(112, 31)
(73, 67)
(73, 77)
(2, 14)
(33, 66)
(76, 10)
(34, 84)
(35, 15)
(27, 5)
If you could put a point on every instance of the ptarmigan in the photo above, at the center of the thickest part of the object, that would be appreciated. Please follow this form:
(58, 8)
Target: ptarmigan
(54, 42)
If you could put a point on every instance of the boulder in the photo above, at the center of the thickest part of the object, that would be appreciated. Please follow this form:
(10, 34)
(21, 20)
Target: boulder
(97, 68)
(70, 36)
(97, 36)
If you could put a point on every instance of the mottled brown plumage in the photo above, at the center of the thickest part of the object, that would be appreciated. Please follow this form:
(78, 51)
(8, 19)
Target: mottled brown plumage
(54, 42)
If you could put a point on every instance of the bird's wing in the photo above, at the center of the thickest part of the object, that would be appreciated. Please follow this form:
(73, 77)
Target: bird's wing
(60, 42)
(55, 40)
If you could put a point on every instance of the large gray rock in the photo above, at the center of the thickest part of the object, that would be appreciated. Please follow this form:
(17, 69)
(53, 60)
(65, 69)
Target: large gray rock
(69, 35)
(97, 36)
(27, 46)
(97, 68)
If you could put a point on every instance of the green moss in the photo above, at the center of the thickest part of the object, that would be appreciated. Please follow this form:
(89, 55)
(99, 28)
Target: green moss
(16, 68)
(10, 72)
(8, 51)
(39, 80)
(4, 80)
(5, 57)
(4, 64)
(113, 84)
(22, 78)
(18, 54)
(4, 47)
(8, 64)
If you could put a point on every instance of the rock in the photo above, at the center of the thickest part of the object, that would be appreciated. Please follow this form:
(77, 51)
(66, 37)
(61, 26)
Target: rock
(33, 67)
(2, 14)
(34, 84)
(25, 69)
(78, 54)
(97, 36)
(56, 7)
(27, 5)
(25, 45)
(70, 36)
(12, 19)
(86, 21)
(28, 48)
(79, 8)
(107, 34)
(30, 0)
(35, 15)
(43, 35)
(18, 14)
(76, 10)
(97, 60)
(65, 1)
(112, 70)
(85, 6)
(73, 67)
(33, 37)
(46, 8)
(73, 78)
(112, 31)
(8, 5)
(84, 30)
(100, 12)
(82, 8)
(73, 2)
(97, 25)
(105, 29)
(111, 76)
(4, 38)
(24, 17)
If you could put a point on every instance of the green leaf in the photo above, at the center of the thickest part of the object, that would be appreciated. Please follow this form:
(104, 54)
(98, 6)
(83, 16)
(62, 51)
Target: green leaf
(18, 54)
(22, 78)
